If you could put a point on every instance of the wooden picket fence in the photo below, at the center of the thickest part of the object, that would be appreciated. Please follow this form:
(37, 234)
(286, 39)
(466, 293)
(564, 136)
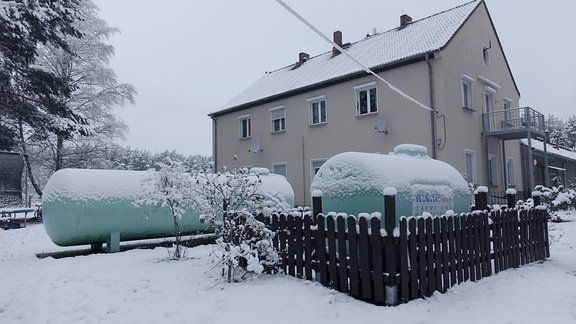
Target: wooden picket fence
(386, 264)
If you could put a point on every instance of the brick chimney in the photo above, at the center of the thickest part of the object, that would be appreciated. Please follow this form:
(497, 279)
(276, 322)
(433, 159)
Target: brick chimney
(337, 40)
(405, 20)
(302, 57)
(547, 136)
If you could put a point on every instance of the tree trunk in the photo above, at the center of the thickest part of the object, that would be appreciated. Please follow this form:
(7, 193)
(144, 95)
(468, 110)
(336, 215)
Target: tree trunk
(27, 162)
(177, 252)
(59, 149)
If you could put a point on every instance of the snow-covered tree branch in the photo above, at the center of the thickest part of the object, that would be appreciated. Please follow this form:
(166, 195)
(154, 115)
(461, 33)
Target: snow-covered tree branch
(170, 188)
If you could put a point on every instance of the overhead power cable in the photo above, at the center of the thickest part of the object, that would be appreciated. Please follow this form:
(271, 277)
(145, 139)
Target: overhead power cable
(364, 67)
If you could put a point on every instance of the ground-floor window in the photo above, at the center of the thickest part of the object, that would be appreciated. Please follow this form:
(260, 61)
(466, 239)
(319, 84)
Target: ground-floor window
(315, 166)
(493, 169)
(470, 165)
(510, 172)
(279, 168)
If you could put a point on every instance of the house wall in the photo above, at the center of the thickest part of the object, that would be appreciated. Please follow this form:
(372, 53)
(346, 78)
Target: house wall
(464, 55)
(300, 143)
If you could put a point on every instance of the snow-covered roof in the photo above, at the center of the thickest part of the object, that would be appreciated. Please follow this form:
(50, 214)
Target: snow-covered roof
(539, 146)
(375, 51)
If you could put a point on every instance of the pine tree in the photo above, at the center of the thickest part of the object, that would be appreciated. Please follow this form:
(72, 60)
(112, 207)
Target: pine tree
(570, 131)
(28, 95)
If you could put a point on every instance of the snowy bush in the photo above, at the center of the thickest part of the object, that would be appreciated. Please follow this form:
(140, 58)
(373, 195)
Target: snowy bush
(558, 198)
(229, 201)
(171, 188)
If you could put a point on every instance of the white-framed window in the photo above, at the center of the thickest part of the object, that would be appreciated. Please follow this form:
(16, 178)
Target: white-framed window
(317, 110)
(279, 168)
(489, 99)
(245, 126)
(366, 99)
(466, 88)
(489, 106)
(470, 165)
(510, 172)
(315, 165)
(278, 119)
(493, 169)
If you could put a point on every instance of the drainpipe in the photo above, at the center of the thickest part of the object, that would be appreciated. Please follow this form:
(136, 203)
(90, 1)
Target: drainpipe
(214, 142)
(304, 191)
(433, 112)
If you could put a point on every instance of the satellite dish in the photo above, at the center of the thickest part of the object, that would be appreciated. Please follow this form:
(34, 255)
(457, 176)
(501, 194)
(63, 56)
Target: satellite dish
(380, 125)
(255, 146)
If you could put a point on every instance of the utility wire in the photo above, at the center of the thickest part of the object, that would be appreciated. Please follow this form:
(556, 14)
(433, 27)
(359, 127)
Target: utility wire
(364, 67)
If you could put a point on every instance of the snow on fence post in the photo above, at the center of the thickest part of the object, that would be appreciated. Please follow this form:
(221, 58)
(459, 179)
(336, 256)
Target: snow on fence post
(316, 204)
(481, 198)
(391, 288)
(511, 197)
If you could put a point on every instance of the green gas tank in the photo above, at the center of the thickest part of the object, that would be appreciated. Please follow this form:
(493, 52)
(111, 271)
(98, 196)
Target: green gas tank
(84, 206)
(354, 182)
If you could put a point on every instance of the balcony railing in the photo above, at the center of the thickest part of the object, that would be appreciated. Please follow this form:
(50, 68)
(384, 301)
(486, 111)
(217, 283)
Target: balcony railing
(514, 123)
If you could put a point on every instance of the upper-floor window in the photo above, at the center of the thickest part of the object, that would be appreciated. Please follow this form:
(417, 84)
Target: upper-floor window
(366, 99)
(466, 86)
(489, 107)
(317, 110)
(489, 99)
(278, 119)
(245, 126)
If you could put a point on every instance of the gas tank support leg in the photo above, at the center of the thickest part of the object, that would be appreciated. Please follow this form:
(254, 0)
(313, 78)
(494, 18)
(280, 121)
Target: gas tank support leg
(113, 244)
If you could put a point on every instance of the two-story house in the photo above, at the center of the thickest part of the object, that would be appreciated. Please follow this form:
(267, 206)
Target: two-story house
(293, 119)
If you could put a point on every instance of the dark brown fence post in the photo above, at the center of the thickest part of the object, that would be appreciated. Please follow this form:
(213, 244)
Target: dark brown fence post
(511, 197)
(322, 262)
(389, 225)
(536, 198)
(316, 204)
(481, 198)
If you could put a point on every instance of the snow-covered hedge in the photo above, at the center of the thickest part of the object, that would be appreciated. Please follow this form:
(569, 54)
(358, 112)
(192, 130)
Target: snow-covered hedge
(558, 199)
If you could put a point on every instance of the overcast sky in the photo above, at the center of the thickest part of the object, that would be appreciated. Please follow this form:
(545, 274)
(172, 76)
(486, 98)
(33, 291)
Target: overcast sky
(188, 58)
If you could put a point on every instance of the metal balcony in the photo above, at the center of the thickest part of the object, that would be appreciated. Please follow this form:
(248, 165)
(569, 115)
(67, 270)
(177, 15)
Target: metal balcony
(514, 124)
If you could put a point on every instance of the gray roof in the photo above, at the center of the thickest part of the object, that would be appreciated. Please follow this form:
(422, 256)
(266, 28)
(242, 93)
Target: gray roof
(375, 51)
(551, 149)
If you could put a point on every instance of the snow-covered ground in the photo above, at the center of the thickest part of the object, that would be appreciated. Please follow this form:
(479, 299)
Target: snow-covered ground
(142, 286)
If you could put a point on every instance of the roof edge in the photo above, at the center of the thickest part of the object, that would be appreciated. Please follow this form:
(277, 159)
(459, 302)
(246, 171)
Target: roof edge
(356, 75)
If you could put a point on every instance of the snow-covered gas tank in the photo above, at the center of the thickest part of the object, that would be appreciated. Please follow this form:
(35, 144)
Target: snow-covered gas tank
(84, 206)
(275, 185)
(354, 182)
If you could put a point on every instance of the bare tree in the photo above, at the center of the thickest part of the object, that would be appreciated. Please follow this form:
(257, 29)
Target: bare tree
(96, 93)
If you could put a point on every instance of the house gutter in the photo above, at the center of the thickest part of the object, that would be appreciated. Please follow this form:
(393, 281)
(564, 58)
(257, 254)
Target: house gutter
(433, 112)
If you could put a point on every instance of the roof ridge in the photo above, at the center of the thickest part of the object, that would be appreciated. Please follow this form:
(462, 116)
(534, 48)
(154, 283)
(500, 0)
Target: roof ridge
(401, 46)
(379, 34)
